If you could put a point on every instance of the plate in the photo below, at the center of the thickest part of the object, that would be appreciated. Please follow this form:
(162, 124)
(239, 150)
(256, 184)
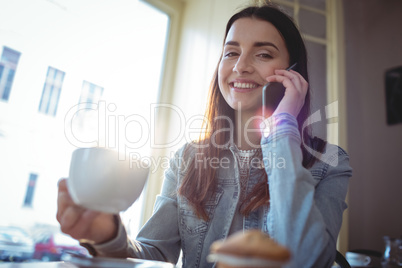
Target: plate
(243, 261)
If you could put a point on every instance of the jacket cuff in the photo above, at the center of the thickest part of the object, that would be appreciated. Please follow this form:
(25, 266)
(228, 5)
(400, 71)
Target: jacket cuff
(279, 125)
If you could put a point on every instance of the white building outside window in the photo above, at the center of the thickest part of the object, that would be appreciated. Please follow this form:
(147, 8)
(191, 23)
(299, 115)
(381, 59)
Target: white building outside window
(107, 52)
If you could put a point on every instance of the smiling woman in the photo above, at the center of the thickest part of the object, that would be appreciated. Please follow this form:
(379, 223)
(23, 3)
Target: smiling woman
(71, 54)
(221, 184)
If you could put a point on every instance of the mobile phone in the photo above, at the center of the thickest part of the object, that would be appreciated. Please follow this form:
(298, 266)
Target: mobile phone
(272, 94)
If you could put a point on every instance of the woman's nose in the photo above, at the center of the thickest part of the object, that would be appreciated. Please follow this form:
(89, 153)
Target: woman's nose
(243, 65)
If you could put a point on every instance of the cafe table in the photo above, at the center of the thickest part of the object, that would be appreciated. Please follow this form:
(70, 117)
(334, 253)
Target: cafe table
(67, 264)
(78, 262)
(37, 265)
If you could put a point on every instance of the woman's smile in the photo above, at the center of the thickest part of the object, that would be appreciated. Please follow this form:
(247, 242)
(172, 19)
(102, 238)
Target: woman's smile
(243, 85)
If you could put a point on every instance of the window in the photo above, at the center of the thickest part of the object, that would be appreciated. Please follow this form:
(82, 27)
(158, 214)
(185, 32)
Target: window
(90, 93)
(8, 65)
(123, 54)
(51, 91)
(30, 190)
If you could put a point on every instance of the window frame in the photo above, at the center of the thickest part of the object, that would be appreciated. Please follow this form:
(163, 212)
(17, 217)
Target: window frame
(8, 67)
(29, 194)
(90, 93)
(174, 10)
(49, 100)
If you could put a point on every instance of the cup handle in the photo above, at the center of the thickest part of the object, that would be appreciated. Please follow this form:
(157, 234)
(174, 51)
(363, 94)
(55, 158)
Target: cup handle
(367, 260)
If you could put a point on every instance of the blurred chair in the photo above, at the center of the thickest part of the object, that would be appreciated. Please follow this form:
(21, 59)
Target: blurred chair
(341, 260)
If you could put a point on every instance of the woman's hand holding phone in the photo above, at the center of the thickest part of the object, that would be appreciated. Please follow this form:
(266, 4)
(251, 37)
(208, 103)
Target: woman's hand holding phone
(295, 91)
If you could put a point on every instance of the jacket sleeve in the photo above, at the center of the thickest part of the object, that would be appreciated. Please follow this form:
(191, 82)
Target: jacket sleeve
(305, 212)
(159, 238)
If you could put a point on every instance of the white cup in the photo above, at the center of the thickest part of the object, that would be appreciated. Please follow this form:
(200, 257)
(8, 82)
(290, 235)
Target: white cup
(101, 179)
(357, 259)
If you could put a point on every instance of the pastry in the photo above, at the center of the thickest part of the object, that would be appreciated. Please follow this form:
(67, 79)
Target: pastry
(253, 246)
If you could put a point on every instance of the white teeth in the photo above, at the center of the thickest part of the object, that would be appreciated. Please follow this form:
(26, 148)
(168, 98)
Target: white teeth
(244, 85)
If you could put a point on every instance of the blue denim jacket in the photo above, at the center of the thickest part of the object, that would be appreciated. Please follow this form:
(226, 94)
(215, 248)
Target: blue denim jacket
(304, 213)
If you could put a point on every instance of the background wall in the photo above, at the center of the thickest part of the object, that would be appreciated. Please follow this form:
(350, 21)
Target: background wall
(373, 45)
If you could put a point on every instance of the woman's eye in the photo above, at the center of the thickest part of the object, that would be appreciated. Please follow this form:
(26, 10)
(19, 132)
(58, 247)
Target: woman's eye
(230, 54)
(265, 55)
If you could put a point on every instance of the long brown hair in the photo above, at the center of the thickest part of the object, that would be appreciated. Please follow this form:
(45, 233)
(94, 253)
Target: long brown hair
(200, 182)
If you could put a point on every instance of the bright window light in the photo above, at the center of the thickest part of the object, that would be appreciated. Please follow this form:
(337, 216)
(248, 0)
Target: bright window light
(110, 53)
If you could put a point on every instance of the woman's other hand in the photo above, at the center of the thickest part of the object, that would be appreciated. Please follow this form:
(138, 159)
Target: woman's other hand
(295, 93)
(81, 223)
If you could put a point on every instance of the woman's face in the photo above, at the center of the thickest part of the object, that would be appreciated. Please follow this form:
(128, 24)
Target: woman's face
(253, 50)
